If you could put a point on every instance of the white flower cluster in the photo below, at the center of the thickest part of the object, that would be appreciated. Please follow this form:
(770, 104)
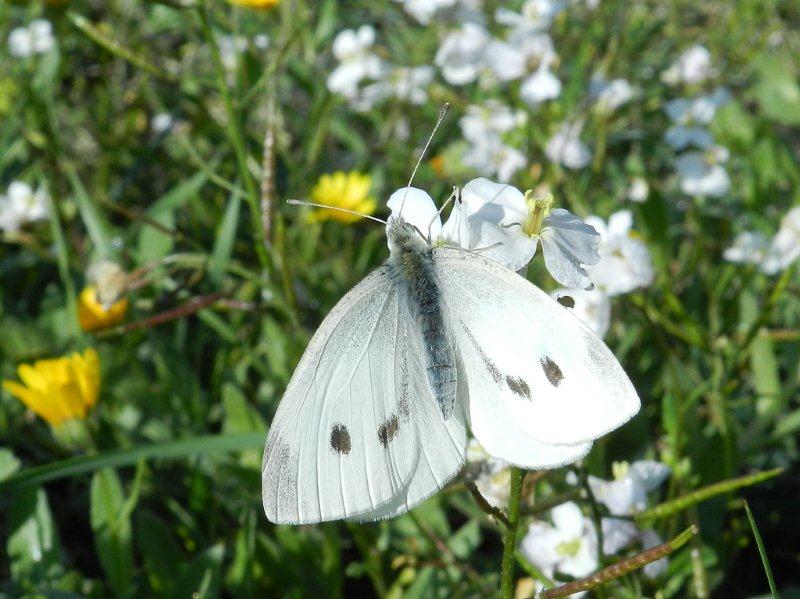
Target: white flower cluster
(771, 255)
(35, 38)
(21, 205)
(592, 259)
(570, 544)
(469, 54)
(700, 163)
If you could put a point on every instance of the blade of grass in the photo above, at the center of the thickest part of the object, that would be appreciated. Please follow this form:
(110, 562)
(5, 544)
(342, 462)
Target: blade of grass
(761, 551)
(115, 458)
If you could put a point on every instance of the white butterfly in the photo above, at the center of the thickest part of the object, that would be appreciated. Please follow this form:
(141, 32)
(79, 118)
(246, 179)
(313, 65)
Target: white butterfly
(435, 342)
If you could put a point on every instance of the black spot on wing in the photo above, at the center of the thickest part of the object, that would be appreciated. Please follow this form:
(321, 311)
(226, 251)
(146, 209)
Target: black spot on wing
(567, 301)
(388, 430)
(552, 371)
(340, 439)
(518, 386)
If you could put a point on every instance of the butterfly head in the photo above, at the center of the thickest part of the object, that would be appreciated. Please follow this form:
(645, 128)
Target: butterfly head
(404, 237)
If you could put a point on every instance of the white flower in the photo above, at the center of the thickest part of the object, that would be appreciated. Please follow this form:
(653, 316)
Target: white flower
(458, 10)
(508, 226)
(161, 122)
(625, 262)
(568, 546)
(407, 84)
(610, 95)
(488, 155)
(748, 248)
(785, 246)
(229, 49)
(690, 117)
(461, 54)
(493, 475)
(638, 190)
(22, 205)
(701, 173)
(491, 118)
(591, 306)
(693, 66)
(536, 16)
(566, 148)
(36, 38)
(627, 493)
(539, 87)
(353, 49)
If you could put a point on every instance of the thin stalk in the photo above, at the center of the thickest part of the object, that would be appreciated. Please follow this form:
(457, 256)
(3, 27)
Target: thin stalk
(510, 539)
(762, 552)
(234, 130)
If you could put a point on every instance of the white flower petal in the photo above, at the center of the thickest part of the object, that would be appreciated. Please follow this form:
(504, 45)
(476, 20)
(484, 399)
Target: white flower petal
(569, 244)
(650, 473)
(541, 86)
(591, 306)
(617, 534)
(568, 519)
(416, 208)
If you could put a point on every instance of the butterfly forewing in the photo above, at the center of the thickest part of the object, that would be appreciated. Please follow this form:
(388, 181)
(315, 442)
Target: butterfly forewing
(551, 376)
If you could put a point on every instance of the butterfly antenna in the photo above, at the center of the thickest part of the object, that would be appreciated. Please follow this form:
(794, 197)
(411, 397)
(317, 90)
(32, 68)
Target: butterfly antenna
(345, 210)
(442, 114)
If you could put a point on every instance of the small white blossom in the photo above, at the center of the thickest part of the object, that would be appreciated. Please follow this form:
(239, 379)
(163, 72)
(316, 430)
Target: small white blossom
(229, 49)
(610, 95)
(536, 16)
(36, 38)
(460, 11)
(21, 205)
(261, 41)
(638, 190)
(490, 118)
(407, 84)
(539, 87)
(591, 306)
(785, 246)
(161, 122)
(353, 50)
(690, 116)
(701, 173)
(625, 262)
(490, 156)
(748, 248)
(693, 66)
(566, 148)
(626, 494)
(461, 54)
(492, 475)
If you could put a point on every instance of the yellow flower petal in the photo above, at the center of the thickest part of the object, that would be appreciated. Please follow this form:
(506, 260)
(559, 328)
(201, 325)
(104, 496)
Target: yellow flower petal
(343, 190)
(59, 389)
(92, 316)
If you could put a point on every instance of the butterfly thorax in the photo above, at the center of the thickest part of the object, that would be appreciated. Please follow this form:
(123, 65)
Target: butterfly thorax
(412, 260)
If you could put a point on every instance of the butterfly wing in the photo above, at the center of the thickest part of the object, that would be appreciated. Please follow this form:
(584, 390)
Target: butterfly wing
(530, 365)
(354, 434)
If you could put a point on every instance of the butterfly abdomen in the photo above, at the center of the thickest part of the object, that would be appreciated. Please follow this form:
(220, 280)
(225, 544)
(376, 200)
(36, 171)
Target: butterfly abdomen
(416, 268)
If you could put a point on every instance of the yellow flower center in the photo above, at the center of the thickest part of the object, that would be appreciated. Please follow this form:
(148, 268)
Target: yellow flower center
(569, 548)
(620, 469)
(538, 209)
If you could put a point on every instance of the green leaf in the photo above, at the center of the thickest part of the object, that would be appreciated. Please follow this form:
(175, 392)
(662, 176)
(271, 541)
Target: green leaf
(9, 463)
(466, 539)
(112, 530)
(226, 236)
(240, 417)
(762, 552)
(127, 457)
(32, 543)
(160, 551)
(98, 227)
(777, 90)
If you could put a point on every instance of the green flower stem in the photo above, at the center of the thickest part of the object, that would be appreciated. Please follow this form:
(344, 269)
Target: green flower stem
(673, 506)
(510, 540)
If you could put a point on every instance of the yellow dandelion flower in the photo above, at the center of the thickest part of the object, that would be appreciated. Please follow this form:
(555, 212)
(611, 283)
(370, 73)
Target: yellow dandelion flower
(257, 4)
(59, 389)
(343, 190)
(93, 315)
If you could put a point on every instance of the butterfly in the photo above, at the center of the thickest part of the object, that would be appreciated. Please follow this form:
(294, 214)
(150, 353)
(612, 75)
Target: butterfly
(434, 344)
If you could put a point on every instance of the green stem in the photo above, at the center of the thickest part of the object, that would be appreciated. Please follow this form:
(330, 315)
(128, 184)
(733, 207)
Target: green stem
(234, 131)
(510, 540)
